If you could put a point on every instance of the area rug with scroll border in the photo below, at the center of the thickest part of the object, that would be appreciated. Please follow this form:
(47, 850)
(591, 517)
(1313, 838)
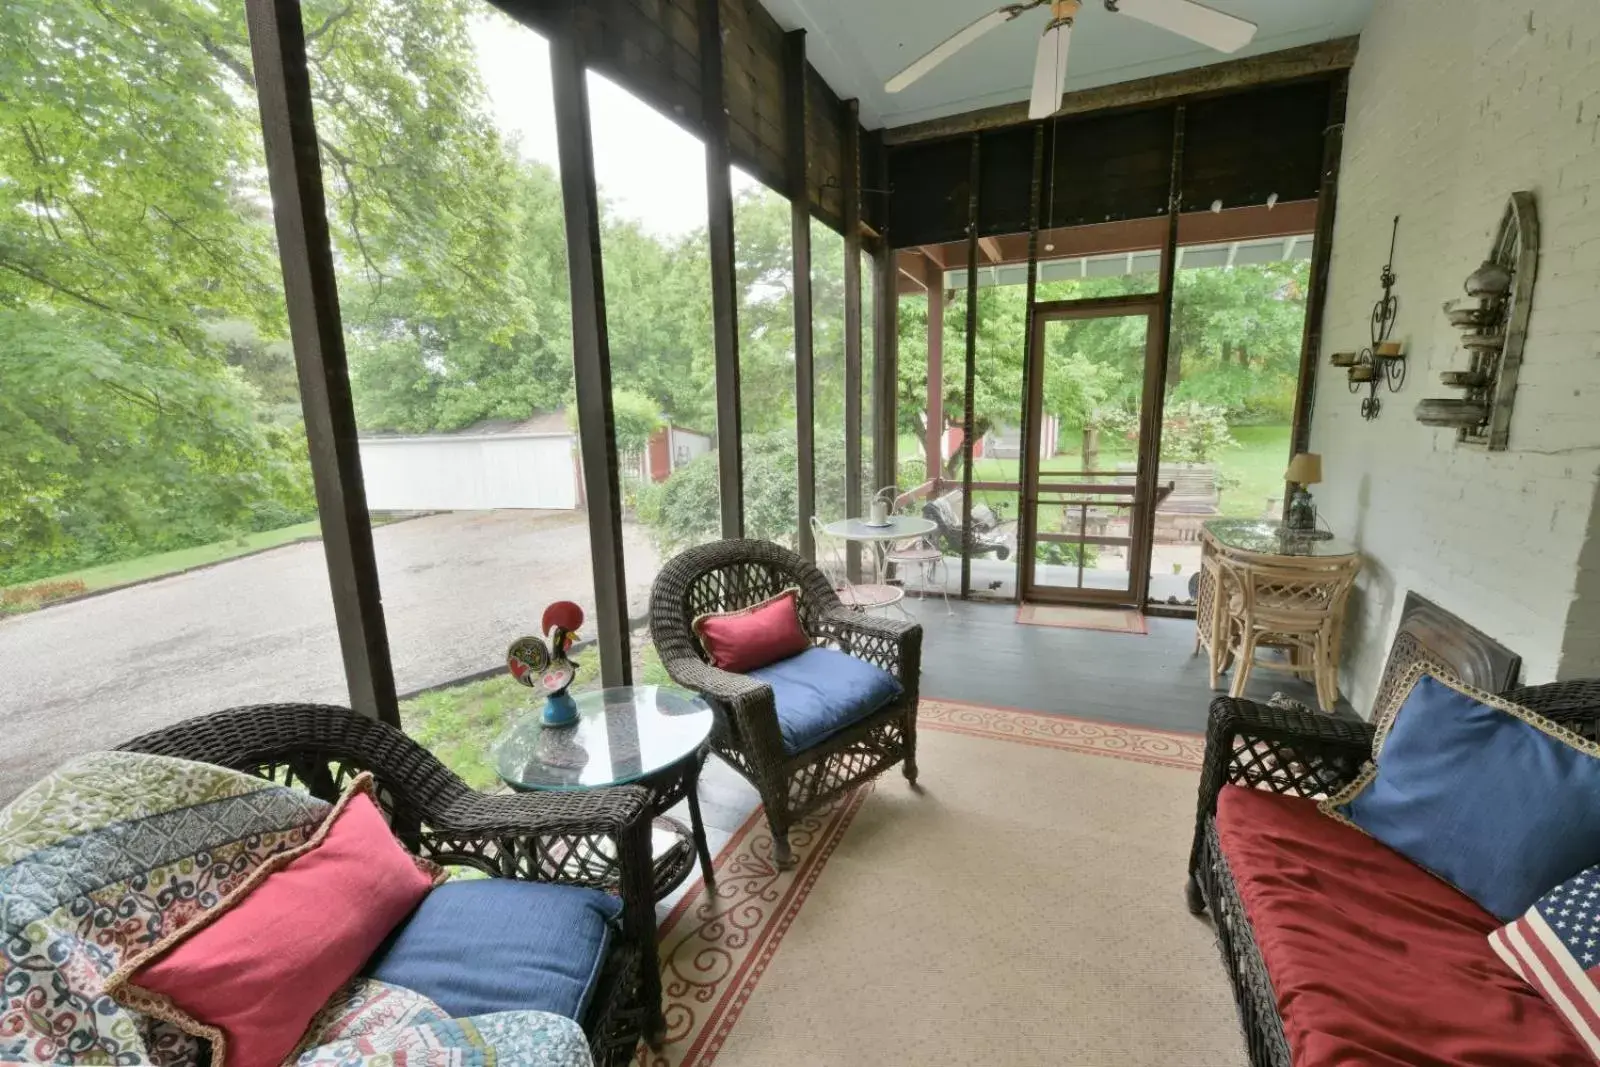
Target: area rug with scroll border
(715, 951)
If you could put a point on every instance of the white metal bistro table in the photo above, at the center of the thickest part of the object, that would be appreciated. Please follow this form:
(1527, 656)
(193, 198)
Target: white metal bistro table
(899, 528)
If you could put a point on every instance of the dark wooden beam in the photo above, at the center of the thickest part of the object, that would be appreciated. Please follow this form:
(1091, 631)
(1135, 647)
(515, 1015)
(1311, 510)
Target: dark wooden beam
(805, 408)
(591, 357)
(294, 175)
(1155, 389)
(1321, 254)
(724, 284)
(850, 156)
(1306, 61)
(1027, 500)
(933, 443)
(970, 379)
(886, 355)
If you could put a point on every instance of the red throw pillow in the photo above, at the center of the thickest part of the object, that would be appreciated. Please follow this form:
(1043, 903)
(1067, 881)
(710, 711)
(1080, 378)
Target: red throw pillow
(741, 641)
(250, 974)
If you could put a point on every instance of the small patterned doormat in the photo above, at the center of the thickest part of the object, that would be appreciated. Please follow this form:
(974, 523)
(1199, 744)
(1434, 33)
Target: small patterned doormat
(1072, 617)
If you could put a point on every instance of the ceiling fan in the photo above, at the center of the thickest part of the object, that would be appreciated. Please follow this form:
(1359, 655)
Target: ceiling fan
(1210, 27)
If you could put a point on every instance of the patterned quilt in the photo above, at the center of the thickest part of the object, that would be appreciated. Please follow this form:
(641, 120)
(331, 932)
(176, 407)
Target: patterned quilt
(114, 850)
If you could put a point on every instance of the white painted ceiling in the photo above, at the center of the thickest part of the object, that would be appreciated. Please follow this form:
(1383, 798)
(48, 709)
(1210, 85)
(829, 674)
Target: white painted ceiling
(857, 45)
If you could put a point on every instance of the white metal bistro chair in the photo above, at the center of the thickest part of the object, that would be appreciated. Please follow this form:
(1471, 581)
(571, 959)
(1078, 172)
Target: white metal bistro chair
(862, 596)
(922, 555)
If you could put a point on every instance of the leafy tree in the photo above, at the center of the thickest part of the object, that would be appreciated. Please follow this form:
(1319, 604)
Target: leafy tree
(131, 230)
(684, 510)
(1235, 349)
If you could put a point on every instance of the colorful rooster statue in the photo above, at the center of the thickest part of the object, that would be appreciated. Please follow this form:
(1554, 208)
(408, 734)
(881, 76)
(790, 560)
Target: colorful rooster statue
(537, 665)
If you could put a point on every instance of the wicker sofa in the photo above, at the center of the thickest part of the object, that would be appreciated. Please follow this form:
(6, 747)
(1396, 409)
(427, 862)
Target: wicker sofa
(1291, 753)
(537, 837)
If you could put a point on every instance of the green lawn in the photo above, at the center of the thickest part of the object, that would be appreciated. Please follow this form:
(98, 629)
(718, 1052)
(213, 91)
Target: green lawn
(1251, 473)
(461, 724)
(111, 575)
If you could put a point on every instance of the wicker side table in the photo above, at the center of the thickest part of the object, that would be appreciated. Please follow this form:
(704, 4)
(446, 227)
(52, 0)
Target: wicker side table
(654, 736)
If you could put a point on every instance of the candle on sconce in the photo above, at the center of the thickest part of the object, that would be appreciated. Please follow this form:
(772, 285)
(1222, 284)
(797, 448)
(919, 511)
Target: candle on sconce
(1343, 359)
(1391, 350)
(1363, 372)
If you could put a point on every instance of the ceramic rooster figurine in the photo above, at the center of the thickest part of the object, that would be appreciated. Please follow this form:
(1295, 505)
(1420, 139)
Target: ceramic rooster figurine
(537, 665)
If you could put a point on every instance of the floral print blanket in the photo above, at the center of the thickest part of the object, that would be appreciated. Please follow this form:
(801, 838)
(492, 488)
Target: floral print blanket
(114, 850)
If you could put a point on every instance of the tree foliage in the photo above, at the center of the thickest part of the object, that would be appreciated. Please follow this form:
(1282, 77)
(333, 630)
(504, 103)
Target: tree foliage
(1234, 354)
(148, 393)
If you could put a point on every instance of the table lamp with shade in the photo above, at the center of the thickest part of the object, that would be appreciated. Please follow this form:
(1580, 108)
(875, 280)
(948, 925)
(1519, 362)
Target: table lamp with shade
(1304, 469)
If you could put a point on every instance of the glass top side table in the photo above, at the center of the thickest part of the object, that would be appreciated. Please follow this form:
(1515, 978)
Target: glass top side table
(654, 736)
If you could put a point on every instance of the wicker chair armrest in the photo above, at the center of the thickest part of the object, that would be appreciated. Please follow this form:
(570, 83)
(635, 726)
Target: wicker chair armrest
(541, 814)
(893, 644)
(1284, 750)
(748, 706)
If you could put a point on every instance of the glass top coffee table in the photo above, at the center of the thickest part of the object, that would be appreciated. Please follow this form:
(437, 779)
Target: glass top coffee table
(654, 736)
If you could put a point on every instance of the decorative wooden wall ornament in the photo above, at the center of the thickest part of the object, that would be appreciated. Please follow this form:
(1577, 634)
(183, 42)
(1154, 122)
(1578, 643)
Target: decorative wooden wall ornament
(1493, 333)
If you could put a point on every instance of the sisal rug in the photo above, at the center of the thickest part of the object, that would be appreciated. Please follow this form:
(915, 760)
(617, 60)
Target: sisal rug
(1072, 617)
(1026, 908)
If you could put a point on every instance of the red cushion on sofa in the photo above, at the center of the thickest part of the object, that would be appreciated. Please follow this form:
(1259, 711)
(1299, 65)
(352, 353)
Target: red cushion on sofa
(741, 641)
(1373, 959)
(250, 974)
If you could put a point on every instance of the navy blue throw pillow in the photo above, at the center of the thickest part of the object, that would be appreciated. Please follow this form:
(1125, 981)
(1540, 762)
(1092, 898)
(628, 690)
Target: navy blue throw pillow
(1498, 801)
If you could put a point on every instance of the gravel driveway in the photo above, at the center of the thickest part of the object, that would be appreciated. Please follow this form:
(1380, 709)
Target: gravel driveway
(456, 589)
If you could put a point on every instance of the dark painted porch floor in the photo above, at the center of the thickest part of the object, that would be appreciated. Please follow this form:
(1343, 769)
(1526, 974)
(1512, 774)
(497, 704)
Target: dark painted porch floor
(981, 655)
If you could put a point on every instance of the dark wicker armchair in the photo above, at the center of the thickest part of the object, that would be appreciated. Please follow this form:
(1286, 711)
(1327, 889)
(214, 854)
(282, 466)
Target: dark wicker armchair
(729, 575)
(548, 837)
(1300, 753)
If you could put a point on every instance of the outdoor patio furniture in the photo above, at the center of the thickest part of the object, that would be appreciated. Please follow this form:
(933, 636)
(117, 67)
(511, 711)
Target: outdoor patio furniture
(749, 727)
(862, 596)
(1267, 839)
(597, 840)
(1290, 604)
(648, 735)
(1219, 598)
(987, 535)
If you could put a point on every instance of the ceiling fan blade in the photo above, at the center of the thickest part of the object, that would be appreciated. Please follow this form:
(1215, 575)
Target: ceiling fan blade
(955, 43)
(1050, 71)
(1210, 27)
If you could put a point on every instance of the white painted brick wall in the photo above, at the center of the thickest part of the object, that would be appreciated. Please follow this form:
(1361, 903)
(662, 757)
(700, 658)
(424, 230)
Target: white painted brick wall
(1453, 105)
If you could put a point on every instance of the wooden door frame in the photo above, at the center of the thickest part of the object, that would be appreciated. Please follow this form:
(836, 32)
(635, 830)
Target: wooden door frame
(1141, 515)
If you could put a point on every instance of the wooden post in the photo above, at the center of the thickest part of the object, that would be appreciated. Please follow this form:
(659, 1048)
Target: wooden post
(850, 158)
(1321, 253)
(294, 174)
(1155, 390)
(885, 364)
(724, 284)
(1028, 468)
(591, 356)
(968, 418)
(933, 446)
(805, 415)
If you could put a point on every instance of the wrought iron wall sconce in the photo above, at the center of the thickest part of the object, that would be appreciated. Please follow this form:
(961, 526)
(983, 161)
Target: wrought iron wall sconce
(1383, 361)
(1493, 334)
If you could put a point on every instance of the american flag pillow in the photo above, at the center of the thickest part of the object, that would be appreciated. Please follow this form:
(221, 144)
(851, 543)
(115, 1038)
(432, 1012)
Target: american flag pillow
(1555, 947)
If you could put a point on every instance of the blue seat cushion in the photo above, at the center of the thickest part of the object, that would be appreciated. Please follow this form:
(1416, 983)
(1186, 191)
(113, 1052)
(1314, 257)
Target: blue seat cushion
(821, 691)
(1493, 798)
(496, 944)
